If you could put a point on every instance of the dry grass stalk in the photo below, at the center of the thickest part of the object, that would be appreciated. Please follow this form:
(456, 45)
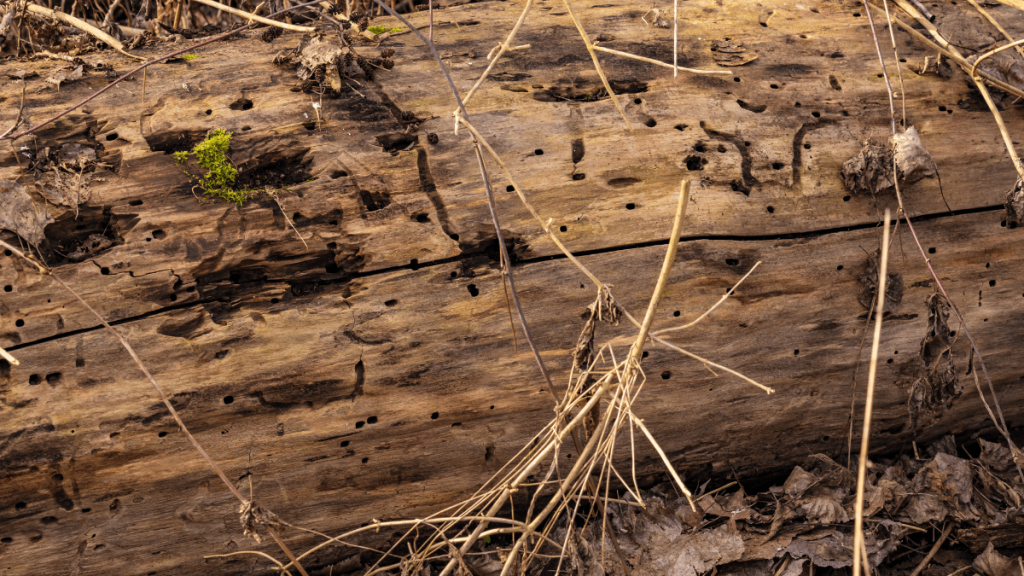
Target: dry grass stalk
(675, 38)
(951, 51)
(252, 17)
(502, 48)
(81, 25)
(944, 48)
(597, 64)
(935, 548)
(997, 25)
(724, 297)
(7, 356)
(659, 62)
(284, 213)
(896, 56)
(858, 522)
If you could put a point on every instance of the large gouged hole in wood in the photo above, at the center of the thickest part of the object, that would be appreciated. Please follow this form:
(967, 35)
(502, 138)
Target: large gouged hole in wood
(756, 109)
(241, 104)
(74, 239)
(581, 90)
(373, 201)
(397, 142)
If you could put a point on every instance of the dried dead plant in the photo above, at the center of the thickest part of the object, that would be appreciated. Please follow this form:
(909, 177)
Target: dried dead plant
(980, 79)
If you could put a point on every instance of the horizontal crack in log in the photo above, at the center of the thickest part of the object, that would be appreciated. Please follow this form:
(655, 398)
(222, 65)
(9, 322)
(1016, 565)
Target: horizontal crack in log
(524, 262)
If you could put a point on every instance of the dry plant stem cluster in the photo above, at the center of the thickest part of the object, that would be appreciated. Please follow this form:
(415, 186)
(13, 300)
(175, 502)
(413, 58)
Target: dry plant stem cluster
(627, 374)
(602, 287)
(858, 522)
(978, 76)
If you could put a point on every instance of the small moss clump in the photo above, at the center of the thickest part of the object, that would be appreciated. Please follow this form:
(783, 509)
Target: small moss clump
(191, 57)
(378, 30)
(219, 180)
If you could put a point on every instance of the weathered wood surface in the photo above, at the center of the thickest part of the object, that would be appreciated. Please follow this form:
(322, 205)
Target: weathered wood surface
(355, 384)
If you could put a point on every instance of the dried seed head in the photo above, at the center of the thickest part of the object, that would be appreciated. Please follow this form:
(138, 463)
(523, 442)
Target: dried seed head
(388, 64)
(408, 116)
(387, 52)
(432, 138)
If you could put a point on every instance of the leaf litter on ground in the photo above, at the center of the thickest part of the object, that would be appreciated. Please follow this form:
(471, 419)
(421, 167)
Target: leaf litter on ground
(805, 525)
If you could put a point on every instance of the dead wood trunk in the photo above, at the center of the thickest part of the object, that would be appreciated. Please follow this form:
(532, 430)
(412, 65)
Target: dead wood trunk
(372, 374)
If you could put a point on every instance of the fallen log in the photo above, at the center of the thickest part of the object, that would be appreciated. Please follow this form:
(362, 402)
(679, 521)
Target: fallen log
(368, 370)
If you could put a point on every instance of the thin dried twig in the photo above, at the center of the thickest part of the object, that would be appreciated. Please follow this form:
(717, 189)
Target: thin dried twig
(502, 48)
(858, 522)
(885, 73)
(724, 297)
(896, 56)
(21, 109)
(997, 25)
(273, 195)
(954, 54)
(7, 356)
(507, 270)
(675, 38)
(659, 62)
(252, 17)
(597, 64)
(935, 548)
(83, 26)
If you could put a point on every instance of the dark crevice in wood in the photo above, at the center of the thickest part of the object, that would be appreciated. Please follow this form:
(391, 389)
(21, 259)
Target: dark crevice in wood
(430, 188)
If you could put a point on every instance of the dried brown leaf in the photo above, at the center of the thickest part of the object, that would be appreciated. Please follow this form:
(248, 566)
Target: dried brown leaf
(19, 214)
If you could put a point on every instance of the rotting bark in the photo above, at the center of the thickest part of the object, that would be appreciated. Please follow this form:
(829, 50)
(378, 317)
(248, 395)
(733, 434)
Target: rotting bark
(294, 364)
